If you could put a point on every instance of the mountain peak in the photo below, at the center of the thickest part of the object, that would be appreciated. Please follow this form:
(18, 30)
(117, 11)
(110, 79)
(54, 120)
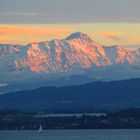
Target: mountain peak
(79, 35)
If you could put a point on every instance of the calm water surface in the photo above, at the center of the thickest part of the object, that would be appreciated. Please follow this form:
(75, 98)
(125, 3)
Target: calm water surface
(71, 135)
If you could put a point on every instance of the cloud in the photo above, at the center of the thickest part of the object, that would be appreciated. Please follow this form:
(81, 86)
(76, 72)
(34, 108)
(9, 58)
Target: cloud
(33, 31)
(18, 14)
(35, 14)
(114, 35)
(25, 34)
(80, 10)
(135, 38)
(115, 38)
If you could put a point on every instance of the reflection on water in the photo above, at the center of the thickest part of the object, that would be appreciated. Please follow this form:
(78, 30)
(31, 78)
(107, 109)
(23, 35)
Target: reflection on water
(71, 135)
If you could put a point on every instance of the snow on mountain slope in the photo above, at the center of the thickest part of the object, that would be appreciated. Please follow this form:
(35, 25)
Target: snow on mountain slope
(71, 56)
(120, 55)
(76, 51)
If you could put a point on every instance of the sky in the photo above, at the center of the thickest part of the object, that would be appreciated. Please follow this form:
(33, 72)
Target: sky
(106, 21)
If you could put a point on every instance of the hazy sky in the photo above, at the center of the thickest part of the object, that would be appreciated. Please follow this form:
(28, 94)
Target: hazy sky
(105, 33)
(61, 11)
(106, 21)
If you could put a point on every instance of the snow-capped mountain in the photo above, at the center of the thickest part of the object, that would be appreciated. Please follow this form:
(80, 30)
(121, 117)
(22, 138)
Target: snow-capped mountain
(78, 54)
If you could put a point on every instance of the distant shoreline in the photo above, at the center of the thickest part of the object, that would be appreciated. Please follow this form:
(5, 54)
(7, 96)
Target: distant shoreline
(123, 119)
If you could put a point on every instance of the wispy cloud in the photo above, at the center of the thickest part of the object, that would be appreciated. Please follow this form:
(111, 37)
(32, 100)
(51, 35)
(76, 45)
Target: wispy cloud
(18, 14)
(23, 34)
(36, 14)
(115, 38)
(135, 38)
(33, 31)
(114, 35)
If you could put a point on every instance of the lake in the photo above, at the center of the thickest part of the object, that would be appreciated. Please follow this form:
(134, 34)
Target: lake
(72, 135)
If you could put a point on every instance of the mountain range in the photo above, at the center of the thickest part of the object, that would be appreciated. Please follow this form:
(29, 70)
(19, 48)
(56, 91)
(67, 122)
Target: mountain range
(112, 95)
(75, 60)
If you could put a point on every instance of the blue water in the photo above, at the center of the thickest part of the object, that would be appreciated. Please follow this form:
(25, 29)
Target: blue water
(71, 135)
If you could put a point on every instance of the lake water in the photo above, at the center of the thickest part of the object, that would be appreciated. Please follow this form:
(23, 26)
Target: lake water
(71, 135)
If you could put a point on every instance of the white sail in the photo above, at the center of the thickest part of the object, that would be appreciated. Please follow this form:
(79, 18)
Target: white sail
(40, 129)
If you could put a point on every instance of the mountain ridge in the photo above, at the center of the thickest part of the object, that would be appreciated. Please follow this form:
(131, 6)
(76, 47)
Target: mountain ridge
(113, 95)
(77, 54)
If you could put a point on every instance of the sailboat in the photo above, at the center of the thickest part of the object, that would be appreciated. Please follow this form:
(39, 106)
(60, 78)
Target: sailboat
(40, 129)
